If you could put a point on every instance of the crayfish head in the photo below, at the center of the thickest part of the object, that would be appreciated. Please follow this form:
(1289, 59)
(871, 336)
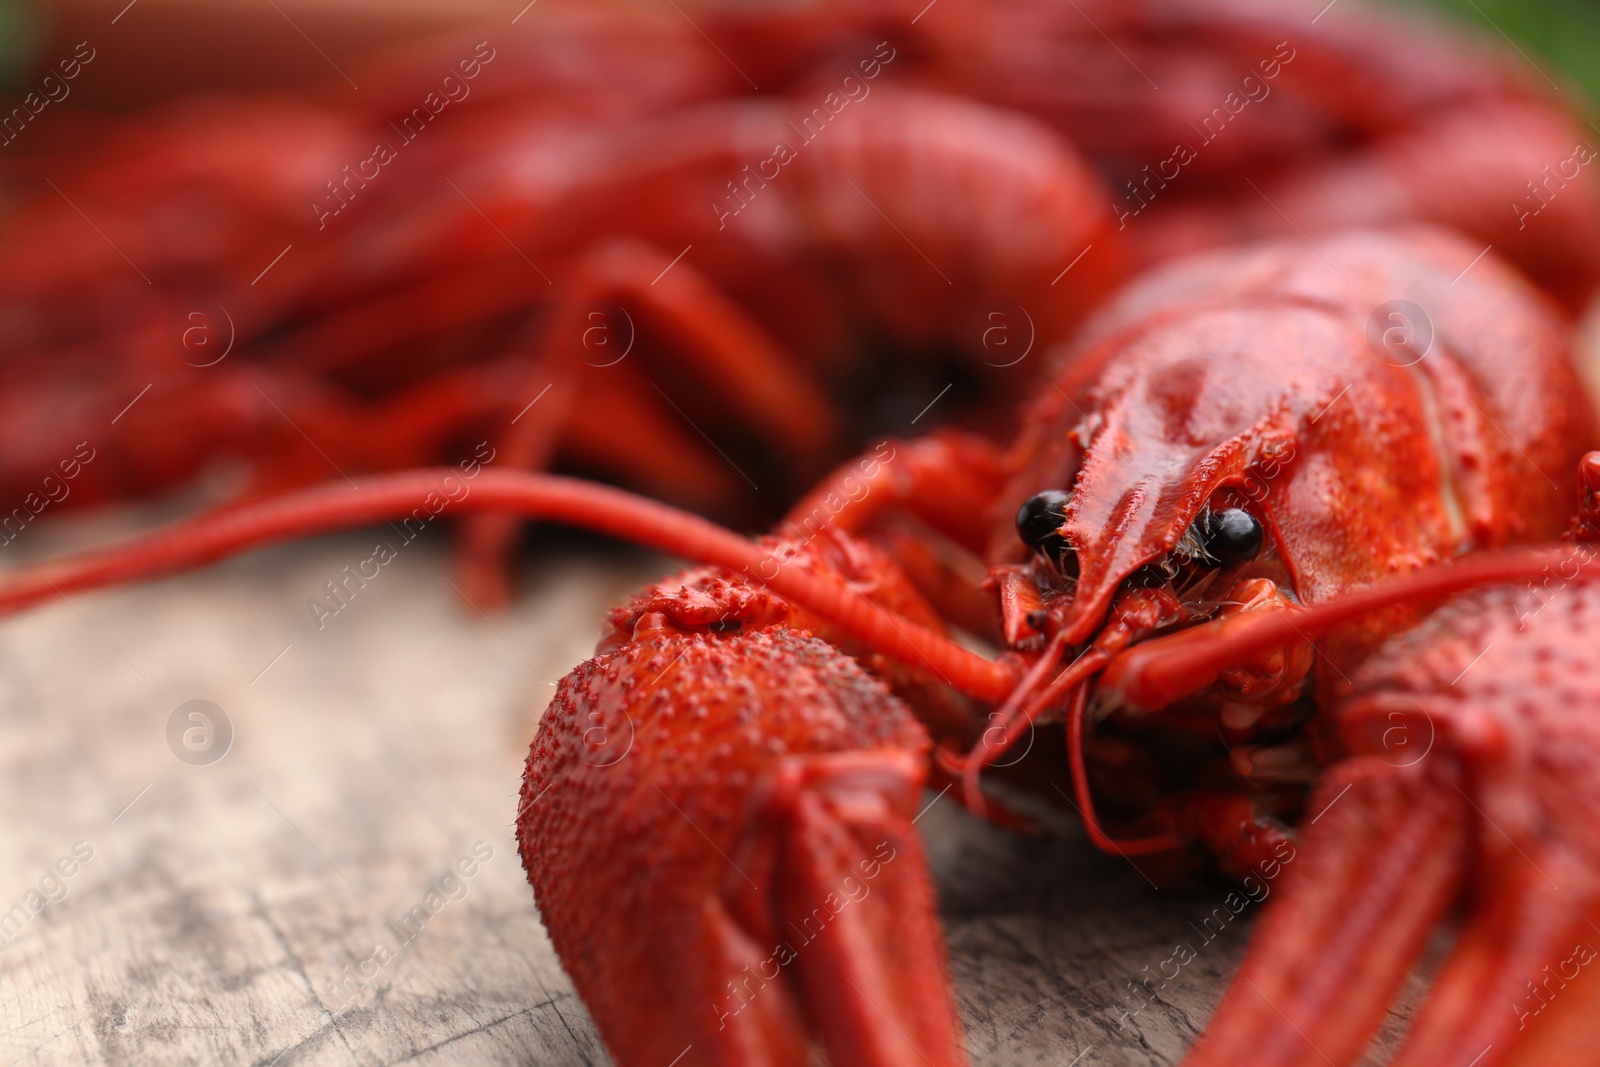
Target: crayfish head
(1195, 538)
(1167, 488)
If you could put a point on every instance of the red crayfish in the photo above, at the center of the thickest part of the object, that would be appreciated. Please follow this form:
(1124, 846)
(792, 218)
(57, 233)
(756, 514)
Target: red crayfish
(1212, 550)
(1192, 507)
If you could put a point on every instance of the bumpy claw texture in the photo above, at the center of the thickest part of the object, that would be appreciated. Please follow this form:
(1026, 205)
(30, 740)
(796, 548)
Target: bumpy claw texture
(716, 820)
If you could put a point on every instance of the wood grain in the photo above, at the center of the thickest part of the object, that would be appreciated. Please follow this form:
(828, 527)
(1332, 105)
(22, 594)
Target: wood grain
(226, 906)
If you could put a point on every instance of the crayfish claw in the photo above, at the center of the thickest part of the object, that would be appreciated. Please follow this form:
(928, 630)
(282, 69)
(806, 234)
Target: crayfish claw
(718, 824)
(1379, 863)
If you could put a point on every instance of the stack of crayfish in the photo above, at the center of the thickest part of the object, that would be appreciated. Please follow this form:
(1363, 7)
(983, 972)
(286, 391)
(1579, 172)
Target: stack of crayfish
(1271, 482)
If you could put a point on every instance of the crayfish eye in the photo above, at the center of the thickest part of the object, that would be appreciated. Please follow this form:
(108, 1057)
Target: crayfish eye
(1040, 517)
(1231, 536)
(1039, 525)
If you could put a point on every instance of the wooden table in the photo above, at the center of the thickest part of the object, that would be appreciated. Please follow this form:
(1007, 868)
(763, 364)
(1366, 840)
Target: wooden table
(223, 902)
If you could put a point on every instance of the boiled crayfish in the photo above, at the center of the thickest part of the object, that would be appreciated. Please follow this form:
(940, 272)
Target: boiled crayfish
(1212, 547)
(785, 700)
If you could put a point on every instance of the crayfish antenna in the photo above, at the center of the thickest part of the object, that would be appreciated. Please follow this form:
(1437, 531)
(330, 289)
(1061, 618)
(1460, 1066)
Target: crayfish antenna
(1153, 674)
(1034, 697)
(1136, 846)
(599, 508)
(1022, 708)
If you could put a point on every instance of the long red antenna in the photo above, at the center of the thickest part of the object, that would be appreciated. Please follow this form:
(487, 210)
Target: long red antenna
(1154, 673)
(1136, 846)
(1038, 693)
(547, 497)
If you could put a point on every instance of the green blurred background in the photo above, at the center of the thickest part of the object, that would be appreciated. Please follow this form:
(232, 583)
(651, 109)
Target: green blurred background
(18, 38)
(1564, 33)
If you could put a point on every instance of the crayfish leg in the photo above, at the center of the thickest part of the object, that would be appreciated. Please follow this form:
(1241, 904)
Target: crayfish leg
(927, 502)
(1380, 861)
(1242, 832)
(612, 414)
(717, 823)
(1503, 972)
(1519, 986)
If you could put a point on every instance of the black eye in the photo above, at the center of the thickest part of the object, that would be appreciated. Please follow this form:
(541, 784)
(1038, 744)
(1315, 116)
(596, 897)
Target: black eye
(1039, 525)
(1040, 517)
(1230, 537)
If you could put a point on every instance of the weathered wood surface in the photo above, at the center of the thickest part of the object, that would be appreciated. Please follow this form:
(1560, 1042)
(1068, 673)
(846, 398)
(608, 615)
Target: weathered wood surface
(223, 903)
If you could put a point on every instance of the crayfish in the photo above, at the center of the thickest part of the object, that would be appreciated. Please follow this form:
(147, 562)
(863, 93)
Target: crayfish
(1269, 508)
(815, 685)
